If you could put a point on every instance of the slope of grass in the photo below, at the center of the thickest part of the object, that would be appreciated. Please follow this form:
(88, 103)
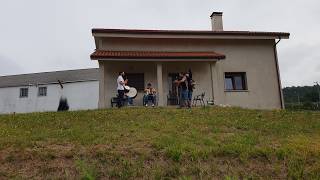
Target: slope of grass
(160, 143)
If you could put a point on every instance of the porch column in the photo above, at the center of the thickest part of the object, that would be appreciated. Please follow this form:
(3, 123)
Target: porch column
(216, 83)
(212, 79)
(160, 85)
(102, 91)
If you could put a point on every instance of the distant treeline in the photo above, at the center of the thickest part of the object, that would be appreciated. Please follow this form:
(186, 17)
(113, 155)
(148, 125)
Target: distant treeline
(305, 97)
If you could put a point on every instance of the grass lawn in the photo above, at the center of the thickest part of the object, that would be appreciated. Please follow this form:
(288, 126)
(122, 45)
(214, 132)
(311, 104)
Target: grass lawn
(161, 143)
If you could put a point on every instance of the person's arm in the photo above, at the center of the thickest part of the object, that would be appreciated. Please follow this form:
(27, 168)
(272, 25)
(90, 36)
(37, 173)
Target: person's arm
(182, 80)
(121, 81)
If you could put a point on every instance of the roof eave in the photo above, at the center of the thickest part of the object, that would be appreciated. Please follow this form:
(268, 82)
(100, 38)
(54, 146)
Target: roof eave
(158, 59)
(154, 56)
(192, 35)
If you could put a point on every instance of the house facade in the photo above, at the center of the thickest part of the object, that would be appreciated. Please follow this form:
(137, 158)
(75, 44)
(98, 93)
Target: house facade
(237, 68)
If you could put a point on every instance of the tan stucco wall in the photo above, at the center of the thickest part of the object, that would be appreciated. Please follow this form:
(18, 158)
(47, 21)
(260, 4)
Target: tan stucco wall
(255, 57)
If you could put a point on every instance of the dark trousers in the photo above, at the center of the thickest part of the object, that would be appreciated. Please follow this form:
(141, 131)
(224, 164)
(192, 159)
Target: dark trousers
(183, 98)
(120, 98)
(149, 97)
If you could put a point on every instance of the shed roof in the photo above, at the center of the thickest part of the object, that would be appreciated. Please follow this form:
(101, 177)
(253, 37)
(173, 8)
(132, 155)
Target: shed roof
(78, 75)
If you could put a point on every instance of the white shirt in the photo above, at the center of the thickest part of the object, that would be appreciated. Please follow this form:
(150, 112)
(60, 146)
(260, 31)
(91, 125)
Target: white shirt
(120, 86)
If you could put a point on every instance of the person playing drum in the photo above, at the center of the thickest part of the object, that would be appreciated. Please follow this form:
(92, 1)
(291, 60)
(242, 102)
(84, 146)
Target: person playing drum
(120, 88)
(150, 95)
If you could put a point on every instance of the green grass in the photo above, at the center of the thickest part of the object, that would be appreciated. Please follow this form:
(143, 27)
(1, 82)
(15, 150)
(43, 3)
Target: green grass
(161, 143)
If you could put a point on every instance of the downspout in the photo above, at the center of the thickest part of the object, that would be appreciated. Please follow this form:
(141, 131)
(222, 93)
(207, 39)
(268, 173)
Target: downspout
(278, 73)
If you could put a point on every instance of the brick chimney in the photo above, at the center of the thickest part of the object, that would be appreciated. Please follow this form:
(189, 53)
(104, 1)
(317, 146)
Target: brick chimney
(216, 21)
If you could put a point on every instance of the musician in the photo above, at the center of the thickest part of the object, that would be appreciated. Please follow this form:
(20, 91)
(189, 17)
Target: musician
(150, 95)
(183, 89)
(120, 88)
(190, 85)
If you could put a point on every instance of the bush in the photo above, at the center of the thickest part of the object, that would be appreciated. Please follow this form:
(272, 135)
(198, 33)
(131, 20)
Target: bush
(311, 106)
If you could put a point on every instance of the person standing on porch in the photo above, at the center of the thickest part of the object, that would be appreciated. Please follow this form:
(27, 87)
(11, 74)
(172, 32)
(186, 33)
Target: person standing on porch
(190, 83)
(183, 86)
(120, 88)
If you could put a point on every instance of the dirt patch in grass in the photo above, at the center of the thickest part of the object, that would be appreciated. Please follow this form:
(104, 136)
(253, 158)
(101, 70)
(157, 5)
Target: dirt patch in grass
(38, 163)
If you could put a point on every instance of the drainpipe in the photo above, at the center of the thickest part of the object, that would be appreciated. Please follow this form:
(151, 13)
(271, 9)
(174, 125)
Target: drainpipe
(278, 73)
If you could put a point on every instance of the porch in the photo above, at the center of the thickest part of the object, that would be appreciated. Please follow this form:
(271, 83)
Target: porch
(160, 73)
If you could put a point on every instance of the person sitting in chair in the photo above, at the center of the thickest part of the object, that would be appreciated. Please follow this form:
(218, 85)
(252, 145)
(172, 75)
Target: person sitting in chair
(150, 95)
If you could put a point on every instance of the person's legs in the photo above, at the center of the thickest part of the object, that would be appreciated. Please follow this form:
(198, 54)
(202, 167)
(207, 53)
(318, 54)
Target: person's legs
(145, 100)
(153, 99)
(180, 98)
(130, 101)
(189, 98)
(120, 98)
(149, 98)
(183, 98)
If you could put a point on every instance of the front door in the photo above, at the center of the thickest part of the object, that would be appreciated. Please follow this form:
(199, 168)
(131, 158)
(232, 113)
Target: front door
(173, 94)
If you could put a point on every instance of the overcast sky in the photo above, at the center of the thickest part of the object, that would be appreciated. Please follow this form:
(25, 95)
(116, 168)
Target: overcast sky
(50, 35)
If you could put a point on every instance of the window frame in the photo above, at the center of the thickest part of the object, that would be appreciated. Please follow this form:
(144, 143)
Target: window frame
(21, 94)
(45, 92)
(232, 76)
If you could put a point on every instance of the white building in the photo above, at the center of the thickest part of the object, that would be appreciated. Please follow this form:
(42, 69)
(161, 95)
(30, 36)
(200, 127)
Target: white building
(41, 91)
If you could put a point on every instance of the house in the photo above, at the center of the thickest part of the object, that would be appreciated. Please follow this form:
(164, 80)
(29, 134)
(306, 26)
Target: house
(42, 92)
(238, 68)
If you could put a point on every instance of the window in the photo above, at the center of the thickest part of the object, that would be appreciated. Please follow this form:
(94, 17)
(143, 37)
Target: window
(136, 80)
(42, 91)
(235, 81)
(24, 92)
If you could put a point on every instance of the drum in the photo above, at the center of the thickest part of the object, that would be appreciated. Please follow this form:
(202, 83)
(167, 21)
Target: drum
(132, 92)
(126, 89)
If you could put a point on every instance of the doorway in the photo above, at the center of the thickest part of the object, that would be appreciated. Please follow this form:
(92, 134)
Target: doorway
(173, 94)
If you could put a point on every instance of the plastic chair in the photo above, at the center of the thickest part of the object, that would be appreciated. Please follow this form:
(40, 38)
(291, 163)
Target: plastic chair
(199, 98)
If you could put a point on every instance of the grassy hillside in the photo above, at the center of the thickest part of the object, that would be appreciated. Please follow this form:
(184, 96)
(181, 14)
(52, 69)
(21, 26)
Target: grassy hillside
(202, 143)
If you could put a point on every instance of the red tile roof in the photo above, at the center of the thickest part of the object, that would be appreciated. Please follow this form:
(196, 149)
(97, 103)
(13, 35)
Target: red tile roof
(191, 32)
(100, 54)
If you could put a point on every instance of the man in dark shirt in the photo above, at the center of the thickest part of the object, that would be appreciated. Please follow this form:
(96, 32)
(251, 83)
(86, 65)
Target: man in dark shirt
(182, 82)
(190, 84)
